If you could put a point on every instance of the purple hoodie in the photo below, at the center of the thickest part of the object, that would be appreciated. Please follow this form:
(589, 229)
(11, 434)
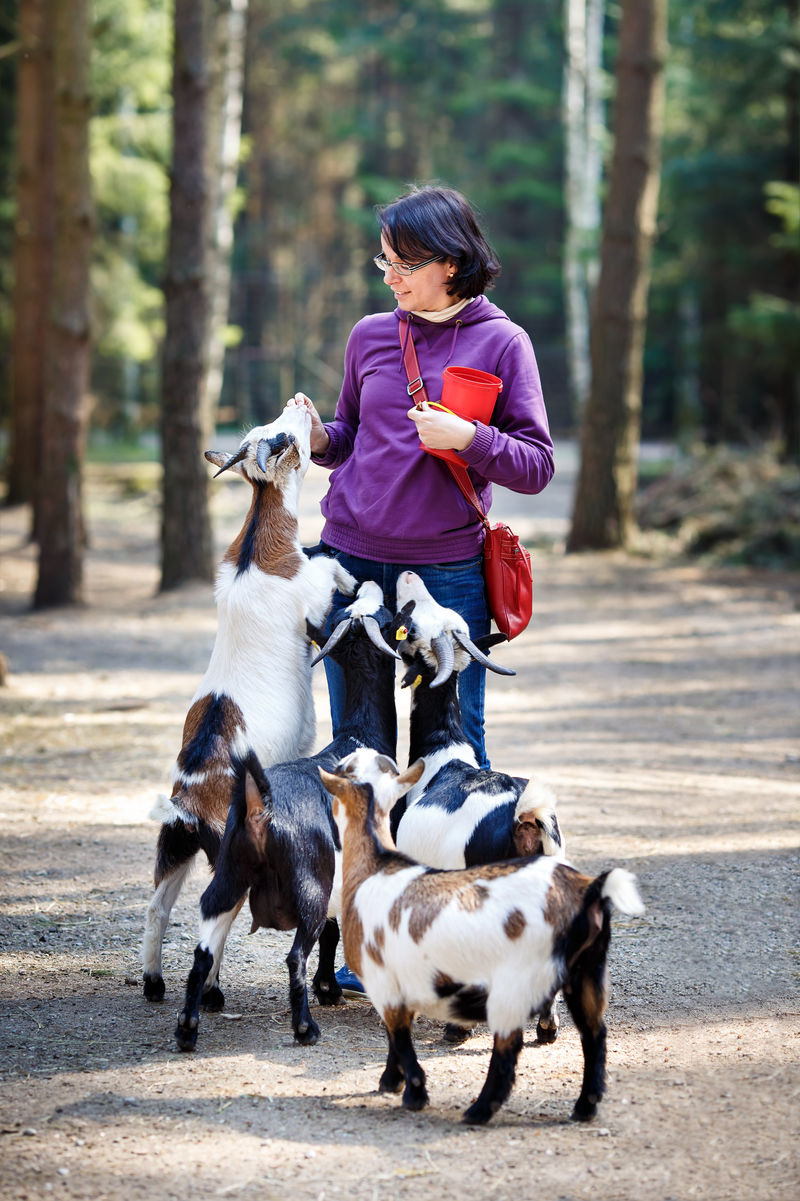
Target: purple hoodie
(390, 501)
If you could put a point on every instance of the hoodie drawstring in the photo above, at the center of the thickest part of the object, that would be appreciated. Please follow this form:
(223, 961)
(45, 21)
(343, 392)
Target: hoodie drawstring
(456, 328)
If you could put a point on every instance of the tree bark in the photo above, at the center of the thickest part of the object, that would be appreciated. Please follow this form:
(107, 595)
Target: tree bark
(66, 357)
(226, 42)
(33, 246)
(603, 512)
(186, 542)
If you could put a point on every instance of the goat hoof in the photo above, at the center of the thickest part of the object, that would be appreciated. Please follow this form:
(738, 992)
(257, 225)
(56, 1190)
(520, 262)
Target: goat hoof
(328, 993)
(390, 1082)
(546, 1034)
(415, 1099)
(584, 1110)
(153, 987)
(307, 1035)
(455, 1034)
(213, 999)
(186, 1033)
(478, 1114)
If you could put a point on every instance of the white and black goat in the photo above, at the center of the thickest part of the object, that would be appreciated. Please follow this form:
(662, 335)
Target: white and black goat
(280, 841)
(459, 814)
(491, 943)
(256, 693)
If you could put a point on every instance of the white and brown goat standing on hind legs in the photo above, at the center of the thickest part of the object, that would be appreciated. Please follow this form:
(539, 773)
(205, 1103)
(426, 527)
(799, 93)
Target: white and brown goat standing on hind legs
(256, 693)
(492, 943)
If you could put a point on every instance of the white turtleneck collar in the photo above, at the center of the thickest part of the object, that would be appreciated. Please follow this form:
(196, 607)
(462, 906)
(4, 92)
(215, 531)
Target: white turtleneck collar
(444, 314)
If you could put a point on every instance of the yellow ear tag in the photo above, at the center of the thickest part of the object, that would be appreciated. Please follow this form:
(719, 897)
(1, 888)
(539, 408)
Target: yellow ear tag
(401, 634)
(417, 682)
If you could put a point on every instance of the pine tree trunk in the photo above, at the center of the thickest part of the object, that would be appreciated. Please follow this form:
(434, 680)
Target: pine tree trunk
(226, 40)
(33, 247)
(186, 542)
(603, 513)
(66, 366)
(574, 121)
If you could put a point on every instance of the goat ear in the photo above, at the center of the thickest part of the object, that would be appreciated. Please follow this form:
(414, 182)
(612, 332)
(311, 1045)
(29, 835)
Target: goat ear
(527, 838)
(399, 622)
(314, 634)
(217, 457)
(486, 641)
(412, 773)
(254, 801)
(411, 676)
(335, 785)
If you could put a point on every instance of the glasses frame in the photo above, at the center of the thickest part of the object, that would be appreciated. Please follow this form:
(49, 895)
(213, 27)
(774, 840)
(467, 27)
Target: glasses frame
(384, 264)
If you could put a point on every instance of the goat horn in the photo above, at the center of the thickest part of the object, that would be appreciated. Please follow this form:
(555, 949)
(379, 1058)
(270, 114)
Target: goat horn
(442, 649)
(469, 646)
(373, 632)
(237, 458)
(336, 637)
(268, 447)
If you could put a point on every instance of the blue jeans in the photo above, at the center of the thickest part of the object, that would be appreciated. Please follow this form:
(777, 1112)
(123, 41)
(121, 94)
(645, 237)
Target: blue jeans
(458, 586)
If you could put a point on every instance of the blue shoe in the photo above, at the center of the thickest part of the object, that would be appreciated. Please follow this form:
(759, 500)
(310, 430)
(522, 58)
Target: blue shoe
(350, 984)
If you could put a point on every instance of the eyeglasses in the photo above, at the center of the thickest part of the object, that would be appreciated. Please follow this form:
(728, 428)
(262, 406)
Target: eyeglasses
(384, 264)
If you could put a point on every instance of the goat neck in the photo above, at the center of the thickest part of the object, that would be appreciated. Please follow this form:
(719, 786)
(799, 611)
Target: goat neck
(435, 721)
(269, 539)
(369, 713)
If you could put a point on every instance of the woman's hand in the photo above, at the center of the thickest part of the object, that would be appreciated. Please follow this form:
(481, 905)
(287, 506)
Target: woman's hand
(320, 438)
(442, 431)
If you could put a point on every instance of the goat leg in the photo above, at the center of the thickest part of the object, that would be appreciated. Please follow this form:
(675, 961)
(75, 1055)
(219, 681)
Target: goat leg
(214, 931)
(499, 1079)
(398, 1027)
(306, 1030)
(392, 1079)
(175, 852)
(548, 1023)
(586, 1001)
(325, 986)
(189, 1017)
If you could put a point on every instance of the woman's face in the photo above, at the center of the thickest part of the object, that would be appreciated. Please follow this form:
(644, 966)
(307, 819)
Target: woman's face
(425, 290)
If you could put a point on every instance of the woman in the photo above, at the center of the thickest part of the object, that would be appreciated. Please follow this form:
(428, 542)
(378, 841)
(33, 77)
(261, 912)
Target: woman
(390, 506)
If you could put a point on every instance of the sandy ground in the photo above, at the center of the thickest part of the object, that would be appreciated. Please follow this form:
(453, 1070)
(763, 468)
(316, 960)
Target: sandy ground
(659, 700)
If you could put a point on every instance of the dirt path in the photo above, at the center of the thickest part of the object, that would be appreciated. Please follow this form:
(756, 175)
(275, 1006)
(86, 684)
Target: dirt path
(661, 704)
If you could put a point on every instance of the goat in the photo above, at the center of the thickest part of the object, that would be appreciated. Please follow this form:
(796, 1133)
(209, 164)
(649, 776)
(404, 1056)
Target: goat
(459, 814)
(491, 943)
(256, 692)
(280, 842)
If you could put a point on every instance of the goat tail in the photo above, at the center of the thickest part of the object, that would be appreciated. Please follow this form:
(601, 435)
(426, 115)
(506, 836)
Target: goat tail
(620, 888)
(251, 791)
(167, 812)
(592, 923)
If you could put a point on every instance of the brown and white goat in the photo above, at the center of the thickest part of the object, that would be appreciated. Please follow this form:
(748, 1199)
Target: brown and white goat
(256, 693)
(491, 943)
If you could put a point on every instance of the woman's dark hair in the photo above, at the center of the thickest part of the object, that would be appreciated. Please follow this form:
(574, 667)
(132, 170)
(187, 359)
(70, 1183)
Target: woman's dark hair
(440, 221)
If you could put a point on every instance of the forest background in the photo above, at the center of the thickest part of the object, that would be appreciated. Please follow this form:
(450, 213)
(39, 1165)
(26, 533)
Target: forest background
(318, 110)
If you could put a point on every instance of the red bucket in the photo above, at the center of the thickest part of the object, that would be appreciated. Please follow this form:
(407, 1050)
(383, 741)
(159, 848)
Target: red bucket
(468, 393)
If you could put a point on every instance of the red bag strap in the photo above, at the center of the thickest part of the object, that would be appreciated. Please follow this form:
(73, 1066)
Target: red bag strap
(417, 391)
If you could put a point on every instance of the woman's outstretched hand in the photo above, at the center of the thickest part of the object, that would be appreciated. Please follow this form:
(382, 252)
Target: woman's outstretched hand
(441, 431)
(320, 439)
